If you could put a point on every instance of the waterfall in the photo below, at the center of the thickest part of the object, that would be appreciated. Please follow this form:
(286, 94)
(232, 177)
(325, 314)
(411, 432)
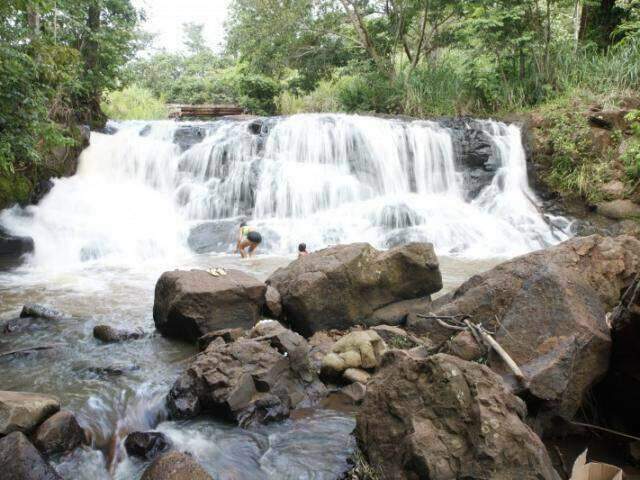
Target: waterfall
(316, 178)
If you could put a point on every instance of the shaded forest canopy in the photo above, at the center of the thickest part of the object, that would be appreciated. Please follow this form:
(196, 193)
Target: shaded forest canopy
(65, 61)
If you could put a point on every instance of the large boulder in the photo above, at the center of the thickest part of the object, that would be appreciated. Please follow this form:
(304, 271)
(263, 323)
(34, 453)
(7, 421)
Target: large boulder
(255, 379)
(22, 411)
(619, 209)
(147, 445)
(189, 304)
(444, 418)
(343, 286)
(60, 433)
(175, 466)
(548, 309)
(13, 249)
(20, 460)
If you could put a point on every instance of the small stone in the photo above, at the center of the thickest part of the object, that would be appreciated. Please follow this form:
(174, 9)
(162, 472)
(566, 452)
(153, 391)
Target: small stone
(356, 375)
(147, 445)
(39, 311)
(465, 346)
(60, 433)
(110, 334)
(227, 334)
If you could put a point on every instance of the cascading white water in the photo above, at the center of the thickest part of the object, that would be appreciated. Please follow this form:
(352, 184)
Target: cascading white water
(320, 179)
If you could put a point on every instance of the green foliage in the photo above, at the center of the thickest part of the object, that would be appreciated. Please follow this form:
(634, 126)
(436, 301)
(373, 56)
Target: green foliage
(369, 93)
(134, 103)
(631, 155)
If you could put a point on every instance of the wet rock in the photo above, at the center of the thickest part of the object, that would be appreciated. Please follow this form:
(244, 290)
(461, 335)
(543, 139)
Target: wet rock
(396, 337)
(443, 418)
(397, 313)
(33, 310)
(397, 216)
(252, 380)
(115, 370)
(175, 466)
(355, 391)
(22, 411)
(12, 249)
(356, 375)
(619, 209)
(190, 304)
(228, 335)
(465, 346)
(20, 460)
(342, 286)
(273, 302)
(60, 433)
(359, 349)
(109, 334)
(186, 136)
(147, 445)
(548, 309)
(217, 236)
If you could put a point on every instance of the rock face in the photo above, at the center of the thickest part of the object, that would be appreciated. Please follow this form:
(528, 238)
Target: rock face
(20, 460)
(356, 350)
(189, 304)
(109, 334)
(22, 412)
(443, 418)
(548, 308)
(12, 249)
(146, 445)
(175, 466)
(255, 379)
(342, 286)
(60, 433)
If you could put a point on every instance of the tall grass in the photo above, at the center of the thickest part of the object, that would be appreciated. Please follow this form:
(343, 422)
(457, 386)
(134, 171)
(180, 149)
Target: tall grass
(134, 103)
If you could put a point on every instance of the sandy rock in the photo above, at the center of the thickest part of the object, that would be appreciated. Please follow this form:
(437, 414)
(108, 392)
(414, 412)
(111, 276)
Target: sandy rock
(109, 334)
(190, 304)
(175, 466)
(359, 349)
(342, 286)
(20, 460)
(22, 411)
(443, 418)
(619, 209)
(273, 302)
(614, 189)
(60, 433)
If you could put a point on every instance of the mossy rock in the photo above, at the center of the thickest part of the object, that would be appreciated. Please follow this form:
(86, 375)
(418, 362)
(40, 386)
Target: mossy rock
(14, 188)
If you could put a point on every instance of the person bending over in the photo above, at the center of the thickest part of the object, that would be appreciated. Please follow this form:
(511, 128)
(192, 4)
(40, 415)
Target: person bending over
(248, 238)
(302, 250)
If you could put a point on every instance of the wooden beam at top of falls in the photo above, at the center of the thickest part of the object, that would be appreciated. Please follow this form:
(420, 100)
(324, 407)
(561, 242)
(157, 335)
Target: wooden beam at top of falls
(190, 111)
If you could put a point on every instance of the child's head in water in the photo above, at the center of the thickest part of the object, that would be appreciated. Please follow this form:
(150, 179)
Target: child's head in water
(302, 249)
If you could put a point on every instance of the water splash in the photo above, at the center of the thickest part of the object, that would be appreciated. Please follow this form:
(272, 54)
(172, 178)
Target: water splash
(318, 178)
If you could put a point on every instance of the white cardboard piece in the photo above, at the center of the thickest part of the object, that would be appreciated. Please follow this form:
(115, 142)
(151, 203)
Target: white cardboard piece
(594, 470)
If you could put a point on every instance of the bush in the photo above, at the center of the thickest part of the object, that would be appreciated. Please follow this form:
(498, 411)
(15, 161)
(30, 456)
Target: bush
(134, 103)
(323, 99)
(369, 92)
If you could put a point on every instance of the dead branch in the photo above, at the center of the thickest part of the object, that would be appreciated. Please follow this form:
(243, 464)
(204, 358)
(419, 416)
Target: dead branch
(604, 429)
(491, 342)
(31, 349)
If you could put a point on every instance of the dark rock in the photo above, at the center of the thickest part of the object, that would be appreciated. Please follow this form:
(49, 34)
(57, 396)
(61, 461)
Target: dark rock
(443, 418)
(20, 460)
(175, 466)
(548, 309)
(13, 249)
(114, 370)
(23, 412)
(227, 334)
(465, 346)
(60, 433)
(252, 380)
(217, 236)
(109, 334)
(397, 216)
(186, 136)
(189, 304)
(147, 445)
(342, 286)
(397, 313)
(33, 310)
(42, 188)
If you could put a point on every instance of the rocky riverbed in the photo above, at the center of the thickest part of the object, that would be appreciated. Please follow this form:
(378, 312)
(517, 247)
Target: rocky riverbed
(346, 355)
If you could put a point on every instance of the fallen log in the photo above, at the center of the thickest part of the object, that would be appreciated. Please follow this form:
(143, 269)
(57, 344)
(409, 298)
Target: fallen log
(31, 349)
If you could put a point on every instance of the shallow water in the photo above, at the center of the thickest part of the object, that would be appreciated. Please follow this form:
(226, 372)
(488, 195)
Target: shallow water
(129, 394)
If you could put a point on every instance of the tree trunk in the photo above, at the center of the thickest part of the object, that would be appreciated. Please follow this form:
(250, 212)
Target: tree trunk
(91, 112)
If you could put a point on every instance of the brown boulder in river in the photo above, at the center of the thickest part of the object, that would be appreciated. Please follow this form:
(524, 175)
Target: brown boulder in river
(444, 418)
(23, 411)
(342, 286)
(60, 433)
(548, 309)
(189, 304)
(175, 466)
(20, 460)
(254, 379)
